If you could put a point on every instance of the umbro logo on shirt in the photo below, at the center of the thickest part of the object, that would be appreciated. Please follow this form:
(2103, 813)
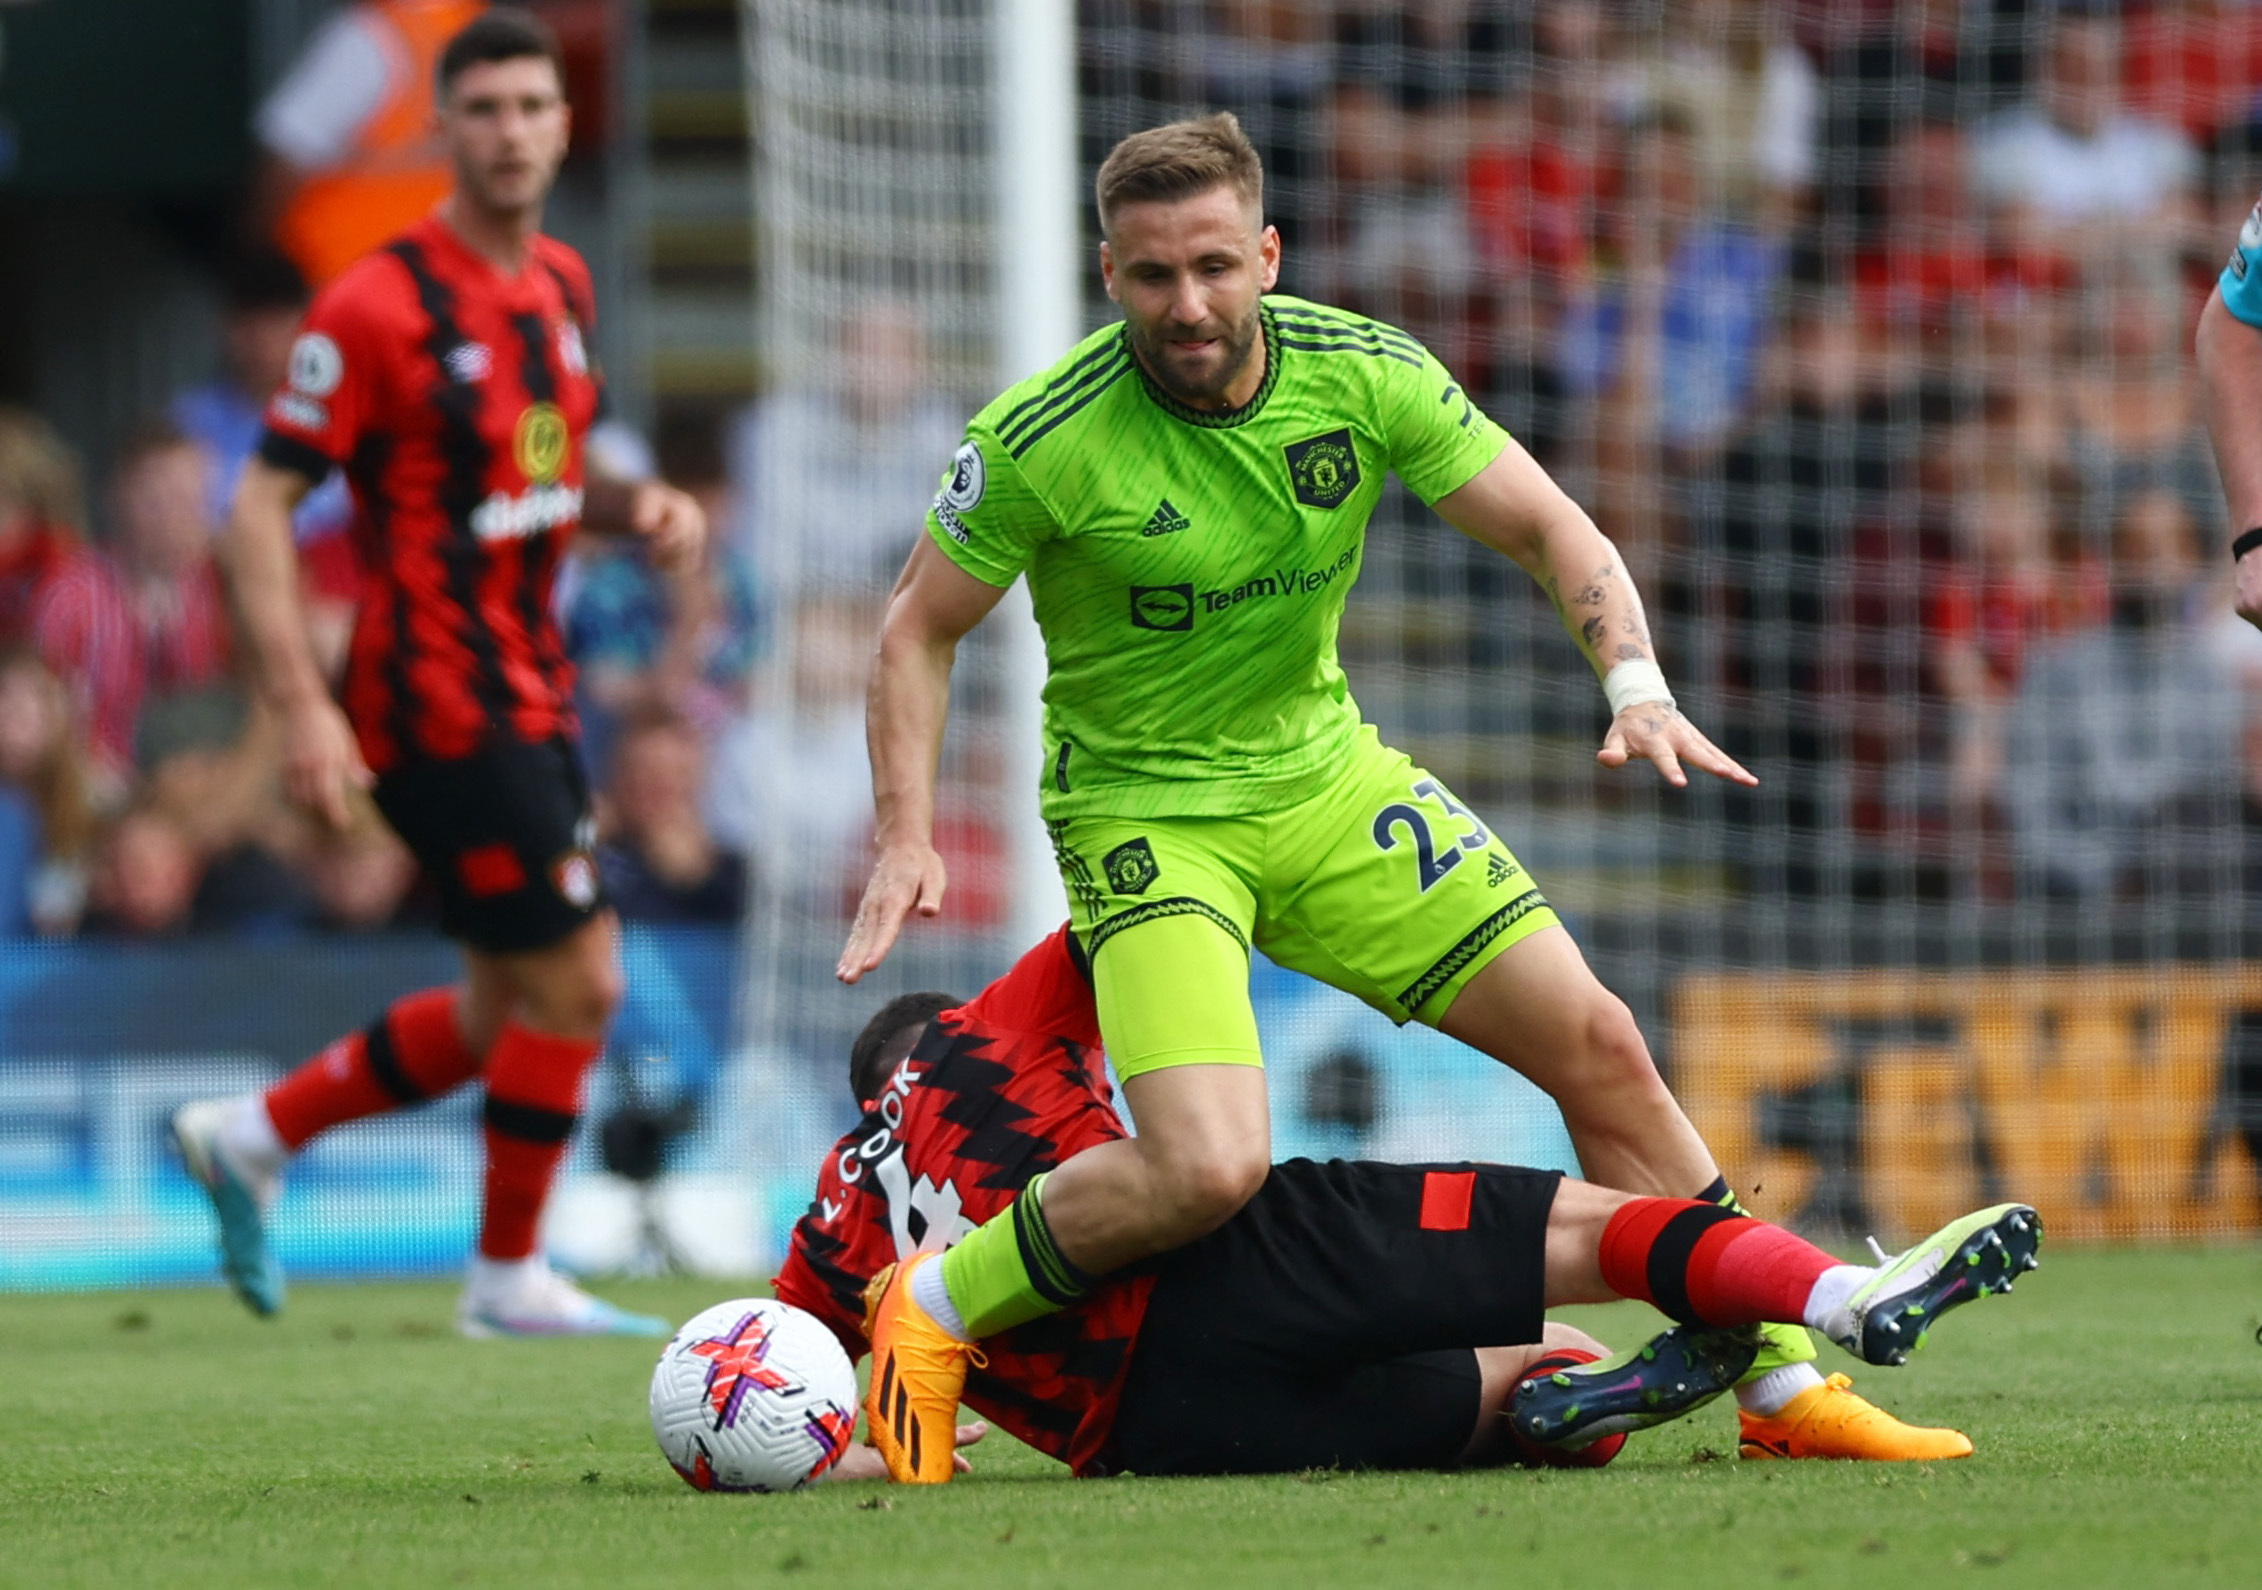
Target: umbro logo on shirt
(469, 363)
(1166, 520)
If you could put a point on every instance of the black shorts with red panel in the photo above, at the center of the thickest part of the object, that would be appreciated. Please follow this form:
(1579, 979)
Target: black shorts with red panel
(507, 835)
(1333, 1322)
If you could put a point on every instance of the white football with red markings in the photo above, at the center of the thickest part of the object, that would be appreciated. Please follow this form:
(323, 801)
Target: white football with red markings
(753, 1395)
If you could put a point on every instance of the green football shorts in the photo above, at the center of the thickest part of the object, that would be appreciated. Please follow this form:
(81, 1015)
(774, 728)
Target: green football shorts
(1382, 885)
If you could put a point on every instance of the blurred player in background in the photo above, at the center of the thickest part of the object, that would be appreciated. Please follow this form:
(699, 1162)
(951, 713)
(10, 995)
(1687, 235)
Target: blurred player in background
(1349, 1315)
(2230, 369)
(449, 375)
(1188, 494)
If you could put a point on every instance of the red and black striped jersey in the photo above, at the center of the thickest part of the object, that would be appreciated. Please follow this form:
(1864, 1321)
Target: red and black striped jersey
(457, 399)
(996, 1091)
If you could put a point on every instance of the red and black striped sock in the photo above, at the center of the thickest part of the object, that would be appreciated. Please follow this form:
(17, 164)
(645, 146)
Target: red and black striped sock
(411, 1053)
(533, 1103)
(1531, 1454)
(1705, 1265)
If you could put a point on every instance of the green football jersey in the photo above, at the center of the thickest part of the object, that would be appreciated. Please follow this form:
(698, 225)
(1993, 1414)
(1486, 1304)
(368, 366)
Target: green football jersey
(1189, 569)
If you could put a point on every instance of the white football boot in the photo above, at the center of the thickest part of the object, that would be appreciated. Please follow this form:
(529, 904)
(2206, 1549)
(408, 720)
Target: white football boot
(526, 1297)
(241, 1194)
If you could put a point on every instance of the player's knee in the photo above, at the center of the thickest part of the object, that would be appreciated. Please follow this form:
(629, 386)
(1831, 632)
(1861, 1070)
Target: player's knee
(1614, 1043)
(1616, 1075)
(581, 998)
(606, 987)
(1212, 1189)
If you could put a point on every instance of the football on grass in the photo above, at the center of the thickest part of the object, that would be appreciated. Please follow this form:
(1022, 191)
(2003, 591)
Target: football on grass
(753, 1395)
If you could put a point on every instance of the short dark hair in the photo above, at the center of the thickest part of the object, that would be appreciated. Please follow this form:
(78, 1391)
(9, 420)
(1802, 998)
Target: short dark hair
(260, 279)
(1181, 160)
(504, 33)
(888, 1037)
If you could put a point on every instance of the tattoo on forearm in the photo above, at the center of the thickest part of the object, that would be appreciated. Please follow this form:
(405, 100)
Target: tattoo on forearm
(1602, 589)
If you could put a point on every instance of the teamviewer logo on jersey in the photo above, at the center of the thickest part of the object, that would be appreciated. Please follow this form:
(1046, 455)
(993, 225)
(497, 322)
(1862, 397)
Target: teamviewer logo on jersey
(1323, 469)
(1162, 607)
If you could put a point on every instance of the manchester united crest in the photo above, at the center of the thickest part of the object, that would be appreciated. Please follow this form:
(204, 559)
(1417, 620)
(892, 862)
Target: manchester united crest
(1323, 469)
(1131, 867)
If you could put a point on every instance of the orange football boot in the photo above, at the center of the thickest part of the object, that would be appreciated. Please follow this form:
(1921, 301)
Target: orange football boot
(918, 1375)
(1830, 1421)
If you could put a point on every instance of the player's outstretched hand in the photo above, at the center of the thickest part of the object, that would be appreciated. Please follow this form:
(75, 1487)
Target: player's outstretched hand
(906, 878)
(1653, 730)
(671, 523)
(322, 762)
(862, 1462)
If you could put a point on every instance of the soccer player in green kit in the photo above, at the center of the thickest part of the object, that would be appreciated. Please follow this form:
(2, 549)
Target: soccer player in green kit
(1188, 495)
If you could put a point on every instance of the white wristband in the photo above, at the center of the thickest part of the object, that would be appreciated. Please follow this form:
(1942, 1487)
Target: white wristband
(1634, 682)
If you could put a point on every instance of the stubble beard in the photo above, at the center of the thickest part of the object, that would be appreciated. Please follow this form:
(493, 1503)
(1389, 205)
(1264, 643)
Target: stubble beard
(503, 209)
(1240, 344)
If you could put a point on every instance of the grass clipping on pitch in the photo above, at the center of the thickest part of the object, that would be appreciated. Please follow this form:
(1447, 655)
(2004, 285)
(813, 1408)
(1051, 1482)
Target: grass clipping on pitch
(169, 1438)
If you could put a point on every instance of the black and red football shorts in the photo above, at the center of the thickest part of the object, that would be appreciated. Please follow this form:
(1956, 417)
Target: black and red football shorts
(1334, 1322)
(508, 836)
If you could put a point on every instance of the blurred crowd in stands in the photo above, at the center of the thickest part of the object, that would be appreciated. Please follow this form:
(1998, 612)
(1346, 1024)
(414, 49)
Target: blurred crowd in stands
(1862, 327)
(139, 781)
(1865, 330)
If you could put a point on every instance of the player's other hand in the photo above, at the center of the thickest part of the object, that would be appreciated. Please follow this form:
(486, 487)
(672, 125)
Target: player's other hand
(906, 878)
(2246, 579)
(322, 762)
(1658, 733)
(862, 1462)
(670, 523)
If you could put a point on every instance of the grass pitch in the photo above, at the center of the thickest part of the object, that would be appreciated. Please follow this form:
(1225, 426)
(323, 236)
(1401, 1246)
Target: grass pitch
(169, 1438)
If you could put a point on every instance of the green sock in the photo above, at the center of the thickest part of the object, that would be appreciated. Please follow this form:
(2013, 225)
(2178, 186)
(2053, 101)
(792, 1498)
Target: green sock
(1779, 1345)
(1006, 1271)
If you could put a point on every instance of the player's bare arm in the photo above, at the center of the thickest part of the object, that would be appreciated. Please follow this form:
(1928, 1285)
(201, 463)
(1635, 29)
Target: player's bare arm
(669, 521)
(933, 607)
(1513, 507)
(321, 761)
(2230, 375)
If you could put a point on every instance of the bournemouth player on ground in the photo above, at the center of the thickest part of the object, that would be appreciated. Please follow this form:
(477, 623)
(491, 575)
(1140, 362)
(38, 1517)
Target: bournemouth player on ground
(1349, 1315)
(449, 375)
(1188, 494)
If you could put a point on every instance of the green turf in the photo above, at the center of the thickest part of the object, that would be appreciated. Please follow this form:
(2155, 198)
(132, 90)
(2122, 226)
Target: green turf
(167, 1438)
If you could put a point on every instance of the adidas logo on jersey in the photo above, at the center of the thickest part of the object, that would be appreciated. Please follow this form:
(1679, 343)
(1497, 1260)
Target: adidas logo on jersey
(1165, 521)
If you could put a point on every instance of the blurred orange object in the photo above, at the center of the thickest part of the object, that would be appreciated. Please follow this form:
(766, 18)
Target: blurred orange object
(394, 172)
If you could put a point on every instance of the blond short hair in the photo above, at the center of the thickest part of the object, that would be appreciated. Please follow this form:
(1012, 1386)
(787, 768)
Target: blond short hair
(1178, 161)
(38, 472)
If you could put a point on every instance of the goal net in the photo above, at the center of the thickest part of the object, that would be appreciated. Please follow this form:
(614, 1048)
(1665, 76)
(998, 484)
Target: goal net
(1864, 333)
